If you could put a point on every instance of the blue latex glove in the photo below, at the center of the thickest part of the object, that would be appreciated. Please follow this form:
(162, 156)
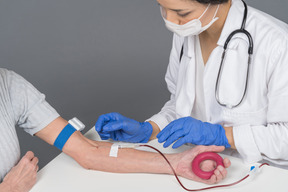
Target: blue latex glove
(190, 130)
(120, 128)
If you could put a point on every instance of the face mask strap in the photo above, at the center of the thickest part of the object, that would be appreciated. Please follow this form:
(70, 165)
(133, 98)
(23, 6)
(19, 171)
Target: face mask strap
(163, 12)
(205, 11)
(216, 11)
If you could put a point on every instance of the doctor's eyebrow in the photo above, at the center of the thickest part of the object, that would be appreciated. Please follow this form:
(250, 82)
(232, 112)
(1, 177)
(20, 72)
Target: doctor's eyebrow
(176, 10)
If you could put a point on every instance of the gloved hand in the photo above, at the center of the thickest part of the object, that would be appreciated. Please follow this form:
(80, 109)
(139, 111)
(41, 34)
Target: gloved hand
(120, 128)
(190, 130)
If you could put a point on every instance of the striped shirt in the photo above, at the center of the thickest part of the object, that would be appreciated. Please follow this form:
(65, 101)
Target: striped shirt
(22, 105)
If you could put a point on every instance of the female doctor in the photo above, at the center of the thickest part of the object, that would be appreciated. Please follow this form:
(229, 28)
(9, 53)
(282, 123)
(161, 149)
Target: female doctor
(227, 75)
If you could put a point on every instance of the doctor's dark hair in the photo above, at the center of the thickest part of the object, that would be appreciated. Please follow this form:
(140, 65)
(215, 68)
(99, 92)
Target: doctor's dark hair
(212, 1)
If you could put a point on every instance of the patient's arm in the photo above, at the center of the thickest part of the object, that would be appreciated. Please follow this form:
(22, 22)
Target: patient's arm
(95, 155)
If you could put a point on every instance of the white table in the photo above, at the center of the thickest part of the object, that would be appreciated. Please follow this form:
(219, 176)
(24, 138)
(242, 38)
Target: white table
(63, 174)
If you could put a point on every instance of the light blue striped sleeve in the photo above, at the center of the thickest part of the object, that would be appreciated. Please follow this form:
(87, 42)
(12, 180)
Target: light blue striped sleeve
(32, 112)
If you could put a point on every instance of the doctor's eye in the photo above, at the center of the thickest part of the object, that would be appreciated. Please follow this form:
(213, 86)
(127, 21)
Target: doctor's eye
(183, 14)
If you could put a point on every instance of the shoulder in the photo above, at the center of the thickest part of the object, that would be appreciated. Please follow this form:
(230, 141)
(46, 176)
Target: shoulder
(16, 85)
(266, 27)
(5, 72)
(8, 76)
(11, 79)
(270, 36)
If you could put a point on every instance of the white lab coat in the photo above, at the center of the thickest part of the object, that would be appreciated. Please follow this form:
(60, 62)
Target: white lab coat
(260, 123)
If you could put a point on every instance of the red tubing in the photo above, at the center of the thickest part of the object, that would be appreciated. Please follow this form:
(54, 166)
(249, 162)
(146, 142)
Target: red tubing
(202, 157)
(213, 187)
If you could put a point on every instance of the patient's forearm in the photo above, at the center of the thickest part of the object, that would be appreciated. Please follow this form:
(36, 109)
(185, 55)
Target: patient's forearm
(128, 160)
(97, 157)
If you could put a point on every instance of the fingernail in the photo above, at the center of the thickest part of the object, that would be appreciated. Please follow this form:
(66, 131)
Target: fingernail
(221, 168)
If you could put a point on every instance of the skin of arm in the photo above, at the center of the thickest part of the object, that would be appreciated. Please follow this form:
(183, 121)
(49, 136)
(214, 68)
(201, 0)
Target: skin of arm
(95, 155)
(229, 135)
(156, 130)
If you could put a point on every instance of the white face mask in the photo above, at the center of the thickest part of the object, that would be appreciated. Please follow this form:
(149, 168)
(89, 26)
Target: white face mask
(193, 27)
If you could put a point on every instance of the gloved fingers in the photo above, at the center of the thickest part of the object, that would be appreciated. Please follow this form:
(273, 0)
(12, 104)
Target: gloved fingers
(113, 126)
(178, 124)
(164, 134)
(179, 143)
(114, 135)
(98, 125)
(104, 136)
(104, 133)
(168, 131)
(102, 120)
(165, 129)
(172, 138)
(115, 116)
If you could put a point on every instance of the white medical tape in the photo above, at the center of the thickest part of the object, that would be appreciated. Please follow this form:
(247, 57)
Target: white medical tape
(114, 150)
(128, 145)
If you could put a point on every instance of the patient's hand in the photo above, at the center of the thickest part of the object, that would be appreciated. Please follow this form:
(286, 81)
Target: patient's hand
(23, 176)
(183, 164)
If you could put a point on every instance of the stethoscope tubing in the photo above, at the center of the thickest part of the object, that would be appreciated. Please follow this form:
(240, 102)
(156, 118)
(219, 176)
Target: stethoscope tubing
(250, 53)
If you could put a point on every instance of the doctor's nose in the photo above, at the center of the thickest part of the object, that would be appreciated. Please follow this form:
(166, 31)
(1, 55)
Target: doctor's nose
(172, 17)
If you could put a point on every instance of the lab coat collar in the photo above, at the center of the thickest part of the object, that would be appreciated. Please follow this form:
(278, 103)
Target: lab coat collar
(232, 23)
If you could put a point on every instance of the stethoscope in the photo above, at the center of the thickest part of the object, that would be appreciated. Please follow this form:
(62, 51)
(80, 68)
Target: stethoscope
(250, 52)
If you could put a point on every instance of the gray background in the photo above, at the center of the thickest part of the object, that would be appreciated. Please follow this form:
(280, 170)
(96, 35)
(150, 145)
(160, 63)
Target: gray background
(92, 56)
